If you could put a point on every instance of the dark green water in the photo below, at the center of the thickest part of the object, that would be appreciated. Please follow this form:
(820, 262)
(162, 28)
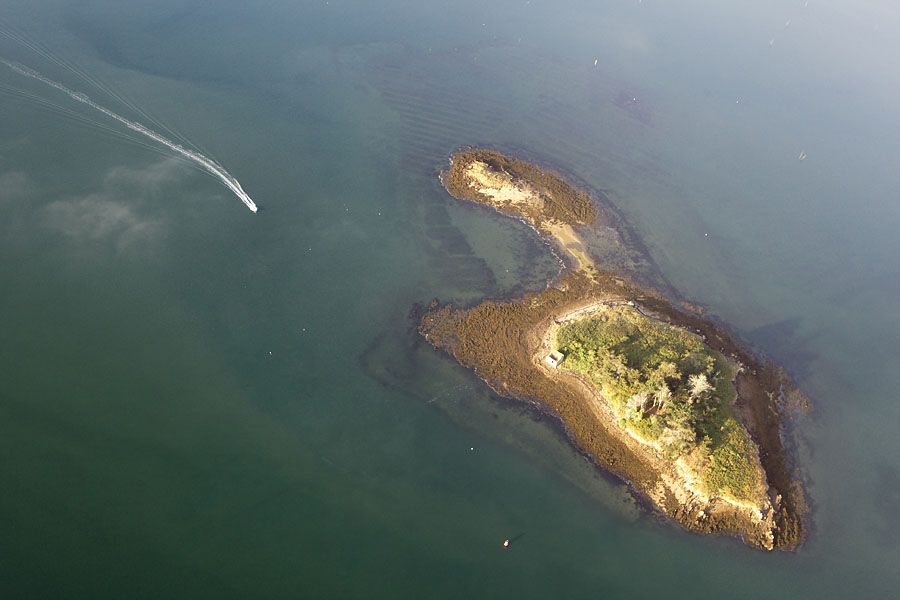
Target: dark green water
(196, 401)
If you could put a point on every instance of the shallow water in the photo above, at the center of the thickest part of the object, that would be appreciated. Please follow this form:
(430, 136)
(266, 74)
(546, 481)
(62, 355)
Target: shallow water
(200, 401)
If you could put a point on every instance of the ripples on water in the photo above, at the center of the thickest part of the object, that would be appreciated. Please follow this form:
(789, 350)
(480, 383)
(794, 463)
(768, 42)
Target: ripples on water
(147, 428)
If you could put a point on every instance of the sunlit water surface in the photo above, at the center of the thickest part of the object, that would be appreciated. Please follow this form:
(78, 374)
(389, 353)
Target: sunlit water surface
(197, 401)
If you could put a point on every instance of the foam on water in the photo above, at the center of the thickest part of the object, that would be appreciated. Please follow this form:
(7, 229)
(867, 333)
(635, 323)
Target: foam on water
(215, 169)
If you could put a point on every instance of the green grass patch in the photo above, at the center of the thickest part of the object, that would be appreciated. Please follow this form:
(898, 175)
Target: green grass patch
(731, 470)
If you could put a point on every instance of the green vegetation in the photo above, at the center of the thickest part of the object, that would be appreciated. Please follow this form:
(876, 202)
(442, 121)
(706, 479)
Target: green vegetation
(667, 387)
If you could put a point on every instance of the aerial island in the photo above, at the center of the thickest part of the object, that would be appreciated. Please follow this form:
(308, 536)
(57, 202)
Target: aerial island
(654, 392)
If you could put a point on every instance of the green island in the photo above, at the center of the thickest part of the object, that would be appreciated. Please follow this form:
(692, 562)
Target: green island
(656, 393)
(670, 391)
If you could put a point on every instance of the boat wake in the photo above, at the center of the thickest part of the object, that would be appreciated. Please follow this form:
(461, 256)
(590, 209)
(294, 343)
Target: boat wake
(207, 164)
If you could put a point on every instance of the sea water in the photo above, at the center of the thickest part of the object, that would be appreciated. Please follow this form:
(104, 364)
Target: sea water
(202, 402)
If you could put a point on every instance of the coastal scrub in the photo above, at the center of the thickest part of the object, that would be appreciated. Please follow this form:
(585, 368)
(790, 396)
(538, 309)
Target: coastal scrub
(669, 390)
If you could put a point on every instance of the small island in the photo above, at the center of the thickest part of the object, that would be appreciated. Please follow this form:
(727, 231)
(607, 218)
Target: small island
(659, 395)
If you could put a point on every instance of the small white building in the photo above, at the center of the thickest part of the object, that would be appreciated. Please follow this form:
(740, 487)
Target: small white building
(553, 359)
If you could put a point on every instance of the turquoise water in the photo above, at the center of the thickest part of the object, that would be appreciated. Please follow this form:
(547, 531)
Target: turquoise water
(197, 401)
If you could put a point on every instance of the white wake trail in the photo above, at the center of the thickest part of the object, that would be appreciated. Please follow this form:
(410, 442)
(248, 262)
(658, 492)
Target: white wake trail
(210, 166)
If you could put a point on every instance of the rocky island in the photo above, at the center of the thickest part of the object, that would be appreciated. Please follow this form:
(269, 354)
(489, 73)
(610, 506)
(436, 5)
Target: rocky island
(664, 398)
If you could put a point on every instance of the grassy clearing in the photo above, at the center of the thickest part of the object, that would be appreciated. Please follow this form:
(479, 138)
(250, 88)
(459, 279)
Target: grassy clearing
(669, 388)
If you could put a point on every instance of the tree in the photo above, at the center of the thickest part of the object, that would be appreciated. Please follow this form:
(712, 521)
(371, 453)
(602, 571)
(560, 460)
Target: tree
(636, 404)
(662, 397)
(678, 434)
(699, 385)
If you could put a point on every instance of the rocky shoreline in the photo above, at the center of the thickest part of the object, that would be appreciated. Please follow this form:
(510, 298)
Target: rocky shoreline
(505, 342)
